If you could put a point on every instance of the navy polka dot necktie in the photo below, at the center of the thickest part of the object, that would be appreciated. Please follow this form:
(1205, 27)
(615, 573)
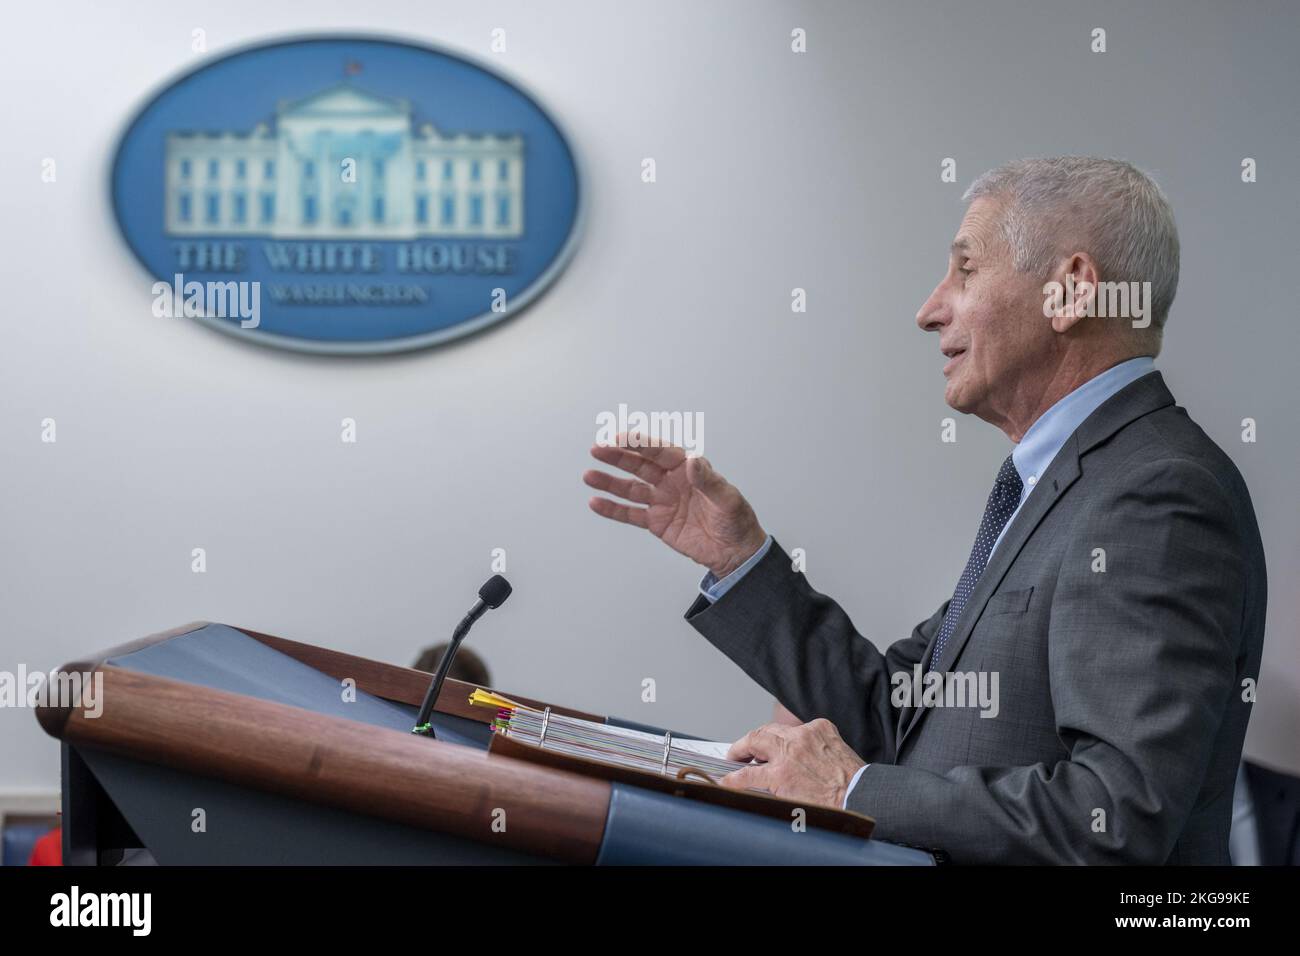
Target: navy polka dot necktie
(1003, 501)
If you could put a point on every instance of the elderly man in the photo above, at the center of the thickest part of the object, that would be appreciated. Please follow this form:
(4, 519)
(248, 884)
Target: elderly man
(1116, 585)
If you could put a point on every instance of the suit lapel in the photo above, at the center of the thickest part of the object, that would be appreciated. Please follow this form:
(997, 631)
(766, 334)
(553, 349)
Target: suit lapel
(1127, 405)
(1058, 477)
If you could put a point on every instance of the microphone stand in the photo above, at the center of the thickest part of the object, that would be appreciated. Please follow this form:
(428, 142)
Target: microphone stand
(422, 725)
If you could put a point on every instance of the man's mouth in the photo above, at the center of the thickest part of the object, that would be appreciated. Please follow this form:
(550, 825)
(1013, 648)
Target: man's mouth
(954, 356)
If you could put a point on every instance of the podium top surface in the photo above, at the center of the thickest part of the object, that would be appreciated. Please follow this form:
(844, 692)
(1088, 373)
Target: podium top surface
(224, 658)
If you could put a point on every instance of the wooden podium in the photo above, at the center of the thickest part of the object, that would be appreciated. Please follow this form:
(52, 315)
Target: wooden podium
(222, 745)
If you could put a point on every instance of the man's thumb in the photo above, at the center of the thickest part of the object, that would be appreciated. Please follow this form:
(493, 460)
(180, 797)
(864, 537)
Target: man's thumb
(703, 477)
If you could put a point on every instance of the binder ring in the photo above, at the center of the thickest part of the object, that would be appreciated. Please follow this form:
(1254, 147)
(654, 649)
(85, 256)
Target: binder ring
(695, 772)
(546, 723)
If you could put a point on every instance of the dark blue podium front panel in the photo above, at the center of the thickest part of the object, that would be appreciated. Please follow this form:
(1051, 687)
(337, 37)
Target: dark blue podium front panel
(244, 826)
(656, 829)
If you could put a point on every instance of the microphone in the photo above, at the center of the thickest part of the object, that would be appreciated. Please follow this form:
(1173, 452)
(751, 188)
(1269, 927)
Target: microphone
(491, 595)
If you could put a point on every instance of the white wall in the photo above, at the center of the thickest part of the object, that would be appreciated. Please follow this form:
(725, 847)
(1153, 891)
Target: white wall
(774, 171)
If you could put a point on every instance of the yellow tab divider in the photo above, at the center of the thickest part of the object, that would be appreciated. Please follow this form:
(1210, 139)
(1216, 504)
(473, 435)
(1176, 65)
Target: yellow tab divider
(485, 698)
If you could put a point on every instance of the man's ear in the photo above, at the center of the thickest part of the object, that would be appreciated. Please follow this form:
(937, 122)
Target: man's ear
(1079, 276)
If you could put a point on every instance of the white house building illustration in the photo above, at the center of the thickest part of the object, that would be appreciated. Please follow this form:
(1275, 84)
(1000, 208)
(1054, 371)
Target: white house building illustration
(295, 181)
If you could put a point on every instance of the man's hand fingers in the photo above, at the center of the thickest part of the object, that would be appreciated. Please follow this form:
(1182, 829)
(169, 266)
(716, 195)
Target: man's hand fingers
(637, 491)
(668, 456)
(761, 743)
(740, 750)
(629, 461)
(617, 512)
(753, 777)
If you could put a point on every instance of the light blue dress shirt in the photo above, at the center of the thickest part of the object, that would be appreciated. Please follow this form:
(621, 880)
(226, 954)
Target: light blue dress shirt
(1243, 838)
(1049, 433)
(1031, 456)
(713, 588)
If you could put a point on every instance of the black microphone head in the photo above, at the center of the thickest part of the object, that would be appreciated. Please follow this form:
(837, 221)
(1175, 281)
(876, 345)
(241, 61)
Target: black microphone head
(495, 592)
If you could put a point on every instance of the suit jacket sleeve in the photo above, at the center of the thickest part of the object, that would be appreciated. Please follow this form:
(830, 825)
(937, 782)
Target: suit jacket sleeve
(802, 647)
(1141, 663)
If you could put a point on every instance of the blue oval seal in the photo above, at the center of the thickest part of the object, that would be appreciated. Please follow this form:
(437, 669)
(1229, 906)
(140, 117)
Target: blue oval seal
(346, 194)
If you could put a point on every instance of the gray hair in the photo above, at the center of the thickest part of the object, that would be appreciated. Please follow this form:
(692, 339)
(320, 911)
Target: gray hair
(1106, 207)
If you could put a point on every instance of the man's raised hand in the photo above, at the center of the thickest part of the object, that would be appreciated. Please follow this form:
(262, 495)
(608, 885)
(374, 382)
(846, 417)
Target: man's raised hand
(680, 500)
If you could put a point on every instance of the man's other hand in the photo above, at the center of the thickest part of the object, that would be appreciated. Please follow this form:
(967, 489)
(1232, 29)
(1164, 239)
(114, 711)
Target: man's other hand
(810, 762)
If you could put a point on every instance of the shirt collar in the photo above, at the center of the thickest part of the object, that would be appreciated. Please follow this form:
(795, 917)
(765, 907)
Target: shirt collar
(1045, 437)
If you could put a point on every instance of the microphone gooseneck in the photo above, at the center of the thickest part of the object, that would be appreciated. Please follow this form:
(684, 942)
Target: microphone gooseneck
(491, 595)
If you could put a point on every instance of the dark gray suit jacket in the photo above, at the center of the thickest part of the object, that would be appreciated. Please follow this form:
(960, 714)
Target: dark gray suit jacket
(1121, 714)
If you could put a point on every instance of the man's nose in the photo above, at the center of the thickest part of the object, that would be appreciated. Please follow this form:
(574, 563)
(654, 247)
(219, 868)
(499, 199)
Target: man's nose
(933, 314)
